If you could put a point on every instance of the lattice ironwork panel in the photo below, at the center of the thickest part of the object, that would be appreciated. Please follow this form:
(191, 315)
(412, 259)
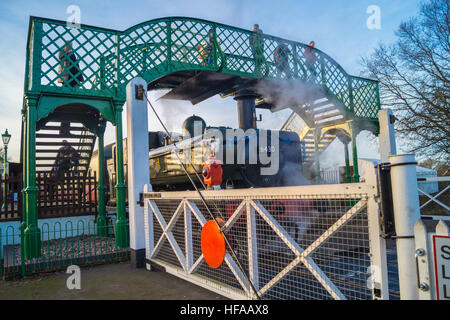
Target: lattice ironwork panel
(235, 44)
(192, 45)
(94, 61)
(365, 98)
(143, 49)
(75, 58)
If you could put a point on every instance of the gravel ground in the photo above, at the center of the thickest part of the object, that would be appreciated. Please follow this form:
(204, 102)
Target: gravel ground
(119, 281)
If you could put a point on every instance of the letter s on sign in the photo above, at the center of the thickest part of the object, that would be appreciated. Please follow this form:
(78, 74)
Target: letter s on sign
(446, 252)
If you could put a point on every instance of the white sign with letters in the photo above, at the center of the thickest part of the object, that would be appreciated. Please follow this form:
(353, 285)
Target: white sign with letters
(441, 246)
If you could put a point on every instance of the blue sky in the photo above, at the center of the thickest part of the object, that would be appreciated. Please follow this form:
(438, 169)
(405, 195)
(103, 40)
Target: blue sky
(337, 26)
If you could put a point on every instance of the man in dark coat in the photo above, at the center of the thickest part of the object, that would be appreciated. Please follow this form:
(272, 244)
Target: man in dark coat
(66, 158)
(69, 70)
(257, 46)
(281, 58)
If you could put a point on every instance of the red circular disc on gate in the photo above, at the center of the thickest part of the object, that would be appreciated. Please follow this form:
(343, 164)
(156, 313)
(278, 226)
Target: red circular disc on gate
(213, 244)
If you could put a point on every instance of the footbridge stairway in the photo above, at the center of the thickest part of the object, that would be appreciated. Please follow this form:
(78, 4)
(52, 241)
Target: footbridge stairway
(319, 124)
(81, 72)
(49, 140)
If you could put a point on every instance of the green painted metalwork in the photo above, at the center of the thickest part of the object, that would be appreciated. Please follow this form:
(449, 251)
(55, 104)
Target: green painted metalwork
(122, 232)
(348, 177)
(62, 244)
(31, 233)
(101, 218)
(355, 155)
(106, 60)
(47, 104)
(109, 59)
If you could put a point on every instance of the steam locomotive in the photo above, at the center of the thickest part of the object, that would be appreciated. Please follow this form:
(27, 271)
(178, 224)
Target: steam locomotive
(244, 157)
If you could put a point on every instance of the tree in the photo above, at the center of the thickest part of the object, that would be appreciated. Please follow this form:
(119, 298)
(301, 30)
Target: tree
(413, 74)
(442, 168)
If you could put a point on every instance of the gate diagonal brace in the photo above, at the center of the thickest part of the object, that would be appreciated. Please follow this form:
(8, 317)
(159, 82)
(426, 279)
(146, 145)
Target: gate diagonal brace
(240, 277)
(434, 198)
(167, 233)
(302, 255)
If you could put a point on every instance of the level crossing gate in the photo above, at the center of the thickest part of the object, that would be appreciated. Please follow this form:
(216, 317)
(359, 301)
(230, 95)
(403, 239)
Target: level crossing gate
(307, 242)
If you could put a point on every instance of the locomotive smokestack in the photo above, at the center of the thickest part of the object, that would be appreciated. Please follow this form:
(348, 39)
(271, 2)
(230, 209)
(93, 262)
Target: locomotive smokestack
(246, 109)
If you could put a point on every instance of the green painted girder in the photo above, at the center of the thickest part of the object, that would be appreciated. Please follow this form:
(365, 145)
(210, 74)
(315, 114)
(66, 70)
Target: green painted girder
(108, 59)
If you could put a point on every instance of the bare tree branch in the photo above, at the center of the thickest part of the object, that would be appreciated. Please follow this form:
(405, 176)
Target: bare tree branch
(414, 77)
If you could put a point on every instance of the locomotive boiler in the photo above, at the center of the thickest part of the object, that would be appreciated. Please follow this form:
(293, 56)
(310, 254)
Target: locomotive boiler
(250, 158)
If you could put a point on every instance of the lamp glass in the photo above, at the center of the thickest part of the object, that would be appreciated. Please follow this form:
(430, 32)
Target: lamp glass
(5, 137)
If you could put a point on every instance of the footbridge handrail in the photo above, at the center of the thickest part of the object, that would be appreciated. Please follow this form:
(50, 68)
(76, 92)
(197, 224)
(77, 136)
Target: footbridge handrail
(85, 60)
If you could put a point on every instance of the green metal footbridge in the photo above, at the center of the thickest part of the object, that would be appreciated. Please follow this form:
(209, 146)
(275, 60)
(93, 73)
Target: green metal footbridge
(78, 74)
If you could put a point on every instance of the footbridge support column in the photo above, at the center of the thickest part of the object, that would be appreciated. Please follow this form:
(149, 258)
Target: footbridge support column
(101, 218)
(138, 166)
(348, 177)
(345, 138)
(355, 153)
(121, 226)
(31, 234)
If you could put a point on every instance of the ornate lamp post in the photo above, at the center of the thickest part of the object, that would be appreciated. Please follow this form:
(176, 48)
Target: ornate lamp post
(5, 137)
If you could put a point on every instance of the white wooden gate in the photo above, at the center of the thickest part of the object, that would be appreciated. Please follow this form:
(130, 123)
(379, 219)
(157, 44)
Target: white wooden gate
(308, 242)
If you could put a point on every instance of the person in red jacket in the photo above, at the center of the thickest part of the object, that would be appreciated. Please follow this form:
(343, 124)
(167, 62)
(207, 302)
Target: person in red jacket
(310, 59)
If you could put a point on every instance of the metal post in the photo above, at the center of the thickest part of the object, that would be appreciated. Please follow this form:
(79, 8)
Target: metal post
(137, 165)
(348, 177)
(355, 155)
(378, 280)
(5, 165)
(101, 218)
(121, 226)
(32, 237)
(23, 157)
(148, 226)
(252, 248)
(406, 213)
(387, 134)
(316, 155)
(424, 257)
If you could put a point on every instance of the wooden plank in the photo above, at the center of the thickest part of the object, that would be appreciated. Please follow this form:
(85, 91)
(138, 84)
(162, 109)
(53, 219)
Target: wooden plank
(46, 165)
(49, 143)
(59, 136)
(46, 151)
(59, 128)
(53, 158)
